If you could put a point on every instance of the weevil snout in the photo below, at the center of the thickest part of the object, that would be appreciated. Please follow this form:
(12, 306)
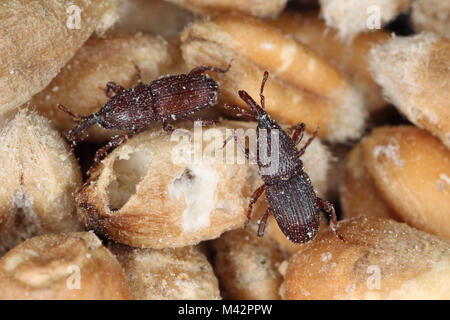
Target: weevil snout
(259, 112)
(81, 131)
(256, 109)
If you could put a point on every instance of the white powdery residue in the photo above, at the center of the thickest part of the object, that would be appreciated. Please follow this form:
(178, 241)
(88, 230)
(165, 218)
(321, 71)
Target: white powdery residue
(444, 177)
(304, 292)
(296, 98)
(443, 182)
(125, 152)
(396, 64)
(198, 183)
(267, 46)
(349, 117)
(341, 15)
(350, 289)
(283, 268)
(391, 152)
(227, 205)
(106, 21)
(287, 56)
(22, 201)
(312, 65)
(419, 112)
(325, 257)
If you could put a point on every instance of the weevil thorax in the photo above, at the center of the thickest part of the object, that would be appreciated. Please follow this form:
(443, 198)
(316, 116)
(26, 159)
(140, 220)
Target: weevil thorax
(278, 156)
(129, 110)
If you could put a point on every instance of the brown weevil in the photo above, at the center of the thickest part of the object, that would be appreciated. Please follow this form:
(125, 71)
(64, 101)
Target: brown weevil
(165, 99)
(289, 192)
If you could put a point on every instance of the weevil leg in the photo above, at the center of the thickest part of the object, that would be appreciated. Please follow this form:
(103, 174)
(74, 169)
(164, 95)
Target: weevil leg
(302, 150)
(114, 142)
(112, 87)
(329, 209)
(258, 192)
(245, 150)
(299, 131)
(166, 126)
(297, 137)
(201, 69)
(263, 222)
(227, 140)
(139, 73)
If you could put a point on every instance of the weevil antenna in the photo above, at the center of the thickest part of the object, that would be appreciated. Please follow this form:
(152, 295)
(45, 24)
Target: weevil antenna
(239, 111)
(71, 114)
(229, 65)
(261, 92)
(139, 73)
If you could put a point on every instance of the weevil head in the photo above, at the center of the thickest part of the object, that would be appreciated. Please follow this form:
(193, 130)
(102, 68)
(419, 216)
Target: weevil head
(260, 115)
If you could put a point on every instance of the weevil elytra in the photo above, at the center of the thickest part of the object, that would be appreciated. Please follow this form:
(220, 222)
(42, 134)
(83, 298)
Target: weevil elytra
(166, 99)
(289, 191)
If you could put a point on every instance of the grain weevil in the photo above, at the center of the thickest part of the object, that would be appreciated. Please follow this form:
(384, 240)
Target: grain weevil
(289, 191)
(165, 99)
